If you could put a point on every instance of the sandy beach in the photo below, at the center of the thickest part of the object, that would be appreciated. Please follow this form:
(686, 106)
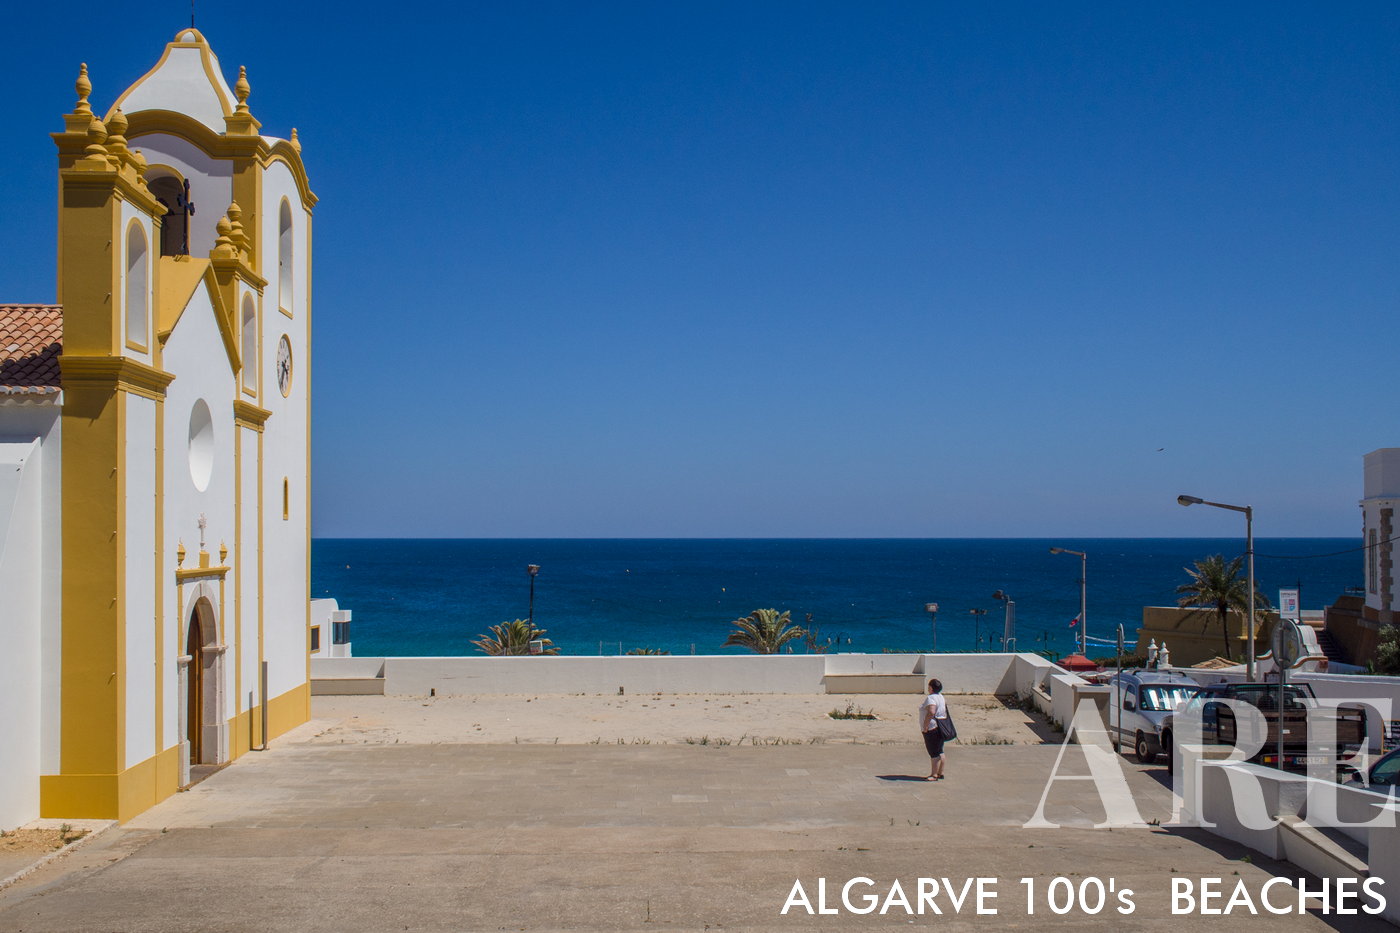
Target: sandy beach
(716, 719)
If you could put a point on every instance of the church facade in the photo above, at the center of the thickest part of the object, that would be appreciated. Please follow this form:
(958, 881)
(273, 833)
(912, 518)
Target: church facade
(155, 453)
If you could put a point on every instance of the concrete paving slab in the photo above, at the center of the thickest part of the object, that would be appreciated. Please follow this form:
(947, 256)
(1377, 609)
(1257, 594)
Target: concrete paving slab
(312, 837)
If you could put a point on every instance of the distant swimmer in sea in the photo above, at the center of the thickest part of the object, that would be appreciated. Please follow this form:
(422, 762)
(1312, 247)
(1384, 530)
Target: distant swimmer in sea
(937, 727)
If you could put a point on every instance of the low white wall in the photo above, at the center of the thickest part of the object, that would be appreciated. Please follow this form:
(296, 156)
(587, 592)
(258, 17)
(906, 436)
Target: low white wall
(337, 668)
(973, 673)
(796, 673)
(1279, 795)
(802, 673)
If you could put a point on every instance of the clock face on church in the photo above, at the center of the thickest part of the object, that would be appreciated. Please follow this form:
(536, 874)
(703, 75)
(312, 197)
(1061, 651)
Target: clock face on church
(284, 366)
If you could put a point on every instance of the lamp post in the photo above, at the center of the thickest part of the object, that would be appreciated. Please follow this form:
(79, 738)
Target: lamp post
(1083, 607)
(977, 615)
(932, 610)
(533, 570)
(1249, 552)
(1008, 636)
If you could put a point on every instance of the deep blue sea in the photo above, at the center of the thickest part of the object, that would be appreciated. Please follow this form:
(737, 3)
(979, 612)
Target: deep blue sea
(432, 597)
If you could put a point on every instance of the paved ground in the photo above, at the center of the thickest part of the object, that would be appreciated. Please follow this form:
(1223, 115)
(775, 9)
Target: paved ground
(311, 837)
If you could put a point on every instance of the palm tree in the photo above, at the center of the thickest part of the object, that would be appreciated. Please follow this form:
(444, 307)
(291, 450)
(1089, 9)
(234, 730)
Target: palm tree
(1216, 585)
(513, 638)
(764, 631)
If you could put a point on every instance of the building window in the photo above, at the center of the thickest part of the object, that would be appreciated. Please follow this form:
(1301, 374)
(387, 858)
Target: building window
(315, 638)
(137, 294)
(175, 226)
(286, 500)
(284, 257)
(250, 344)
(1373, 561)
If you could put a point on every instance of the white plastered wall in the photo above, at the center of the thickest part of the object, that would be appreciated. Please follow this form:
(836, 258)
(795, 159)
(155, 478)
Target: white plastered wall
(183, 85)
(285, 441)
(195, 355)
(21, 576)
(140, 579)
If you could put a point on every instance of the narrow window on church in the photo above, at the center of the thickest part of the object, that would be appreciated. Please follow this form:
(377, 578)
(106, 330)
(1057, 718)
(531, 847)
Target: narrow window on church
(286, 500)
(137, 293)
(250, 345)
(284, 257)
(1373, 560)
(315, 638)
(174, 231)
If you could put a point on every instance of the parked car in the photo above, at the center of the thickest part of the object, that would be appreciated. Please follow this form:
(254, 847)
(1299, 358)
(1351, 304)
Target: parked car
(1138, 701)
(1219, 726)
(1383, 777)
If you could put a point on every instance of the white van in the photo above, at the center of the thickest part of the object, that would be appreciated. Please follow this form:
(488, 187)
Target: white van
(1138, 701)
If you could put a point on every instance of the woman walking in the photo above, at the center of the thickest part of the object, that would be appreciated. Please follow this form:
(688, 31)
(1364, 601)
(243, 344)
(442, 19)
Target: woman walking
(933, 713)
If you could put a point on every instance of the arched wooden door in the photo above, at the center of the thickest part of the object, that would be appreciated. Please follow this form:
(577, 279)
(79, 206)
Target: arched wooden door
(194, 709)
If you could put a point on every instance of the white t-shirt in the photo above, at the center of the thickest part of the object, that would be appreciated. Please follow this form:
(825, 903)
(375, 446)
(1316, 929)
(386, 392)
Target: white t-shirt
(933, 707)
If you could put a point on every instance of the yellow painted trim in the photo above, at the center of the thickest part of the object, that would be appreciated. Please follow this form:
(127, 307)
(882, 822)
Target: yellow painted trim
(289, 710)
(199, 573)
(121, 185)
(180, 276)
(113, 374)
(91, 578)
(117, 796)
(248, 415)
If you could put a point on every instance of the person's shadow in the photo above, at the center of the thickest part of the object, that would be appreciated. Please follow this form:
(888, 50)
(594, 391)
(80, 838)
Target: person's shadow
(901, 777)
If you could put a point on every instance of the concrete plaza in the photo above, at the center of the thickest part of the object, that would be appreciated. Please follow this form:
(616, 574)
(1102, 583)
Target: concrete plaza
(311, 836)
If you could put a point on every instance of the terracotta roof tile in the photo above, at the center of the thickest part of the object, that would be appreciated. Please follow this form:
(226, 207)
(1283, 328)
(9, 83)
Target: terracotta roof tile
(31, 338)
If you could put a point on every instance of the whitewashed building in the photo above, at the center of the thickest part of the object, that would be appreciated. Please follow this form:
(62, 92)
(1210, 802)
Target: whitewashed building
(155, 452)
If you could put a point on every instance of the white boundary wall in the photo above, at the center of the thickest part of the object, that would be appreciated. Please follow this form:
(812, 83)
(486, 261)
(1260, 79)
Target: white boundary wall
(787, 673)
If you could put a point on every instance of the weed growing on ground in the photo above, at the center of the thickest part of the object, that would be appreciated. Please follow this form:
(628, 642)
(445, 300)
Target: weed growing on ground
(987, 740)
(852, 712)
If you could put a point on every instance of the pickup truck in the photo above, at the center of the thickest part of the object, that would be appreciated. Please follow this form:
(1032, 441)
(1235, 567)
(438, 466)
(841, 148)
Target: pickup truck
(1219, 726)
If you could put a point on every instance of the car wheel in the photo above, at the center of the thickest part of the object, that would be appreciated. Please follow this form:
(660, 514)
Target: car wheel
(1143, 749)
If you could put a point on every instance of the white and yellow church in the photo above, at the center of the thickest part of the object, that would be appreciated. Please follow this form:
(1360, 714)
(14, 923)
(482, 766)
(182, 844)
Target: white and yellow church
(155, 453)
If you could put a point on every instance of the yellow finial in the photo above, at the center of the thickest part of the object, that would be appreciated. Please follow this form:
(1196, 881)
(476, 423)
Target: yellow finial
(223, 553)
(117, 125)
(180, 553)
(223, 245)
(97, 135)
(236, 234)
(84, 88)
(296, 143)
(242, 89)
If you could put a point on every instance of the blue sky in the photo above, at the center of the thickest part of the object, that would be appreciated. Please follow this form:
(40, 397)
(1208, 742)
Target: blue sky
(810, 269)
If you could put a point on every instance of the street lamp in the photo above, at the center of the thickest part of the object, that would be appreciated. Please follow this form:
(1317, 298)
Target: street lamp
(932, 610)
(1249, 552)
(977, 615)
(533, 570)
(1083, 608)
(1008, 635)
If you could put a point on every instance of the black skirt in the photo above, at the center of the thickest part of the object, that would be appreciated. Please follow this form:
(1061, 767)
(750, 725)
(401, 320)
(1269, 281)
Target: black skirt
(933, 741)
